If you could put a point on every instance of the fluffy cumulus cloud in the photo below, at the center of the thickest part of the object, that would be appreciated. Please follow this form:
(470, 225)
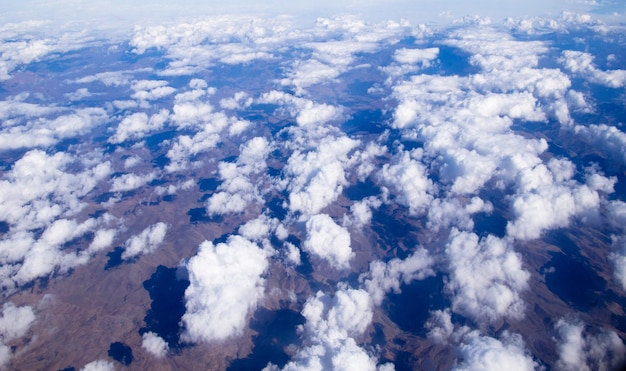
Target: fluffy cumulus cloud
(29, 125)
(259, 229)
(38, 194)
(137, 125)
(316, 178)
(226, 283)
(332, 323)
(486, 277)
(307, 113)
(617, 214)
(578, 349)
(407, 180)
(480, 352)
(193, 113)
(145, 242)
(328, 240)
(385, 277)
(149, 90)
(14, 323)
(328, 59)
(99, 365)
(608, 139)
(411, 61)
(130, 181)
(194, 46)
(238, 189)
(154, 344)
(445, 213)
(581, 63)
(465, 123)
(548, 198)
(19, 45)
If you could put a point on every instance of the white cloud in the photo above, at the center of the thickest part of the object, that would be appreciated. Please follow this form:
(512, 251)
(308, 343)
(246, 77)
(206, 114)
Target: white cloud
(79, 94)
(230, 39)
(237, 190)
(137, 125)
(617, 218)
(154, 344)
(226, 283)
(439, 326)
(547, 198)
(239, 101)
(173, 188)
(361, 212)
(581, 63)
(307, 112)
(385, 277)
(14, 323)
(199, 116)
(260, 228)
(328, 241)
(111, 78)
(132, 161)
(41, 193)
(486, 277)
(445, 213)
(407, 179)
(580, 350)
(20, 131)
(411, 61)
(316, 178)
(331, 325)
(131, 181)
(99, 365)
(146, 90)
(291, 254)
(102, 239)
(26, 42)
(145, 242)
(607, 139)
(480, 352)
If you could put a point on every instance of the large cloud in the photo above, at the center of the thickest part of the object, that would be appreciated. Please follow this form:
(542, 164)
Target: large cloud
(20, 46)
(192, 111)
(137, 125)
(316, 178)
(154, 344)
(14, 323)
(40, 194)
(480, 352)
(237, 190)
(581, 63)
(580, 350)
(328, 241)
(27, 125)
(226, 282)
(219, 39)
(332, 323)
(408, 181)
(486, 277)
(548, 198)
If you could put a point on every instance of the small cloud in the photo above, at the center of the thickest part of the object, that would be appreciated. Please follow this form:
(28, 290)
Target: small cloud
(154, 344)
(145, 242)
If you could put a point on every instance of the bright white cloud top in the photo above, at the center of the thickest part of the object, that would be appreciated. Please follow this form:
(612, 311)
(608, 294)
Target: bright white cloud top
(374, 185)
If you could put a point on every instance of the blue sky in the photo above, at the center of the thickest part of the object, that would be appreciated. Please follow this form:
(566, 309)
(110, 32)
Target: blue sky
(118, 13)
